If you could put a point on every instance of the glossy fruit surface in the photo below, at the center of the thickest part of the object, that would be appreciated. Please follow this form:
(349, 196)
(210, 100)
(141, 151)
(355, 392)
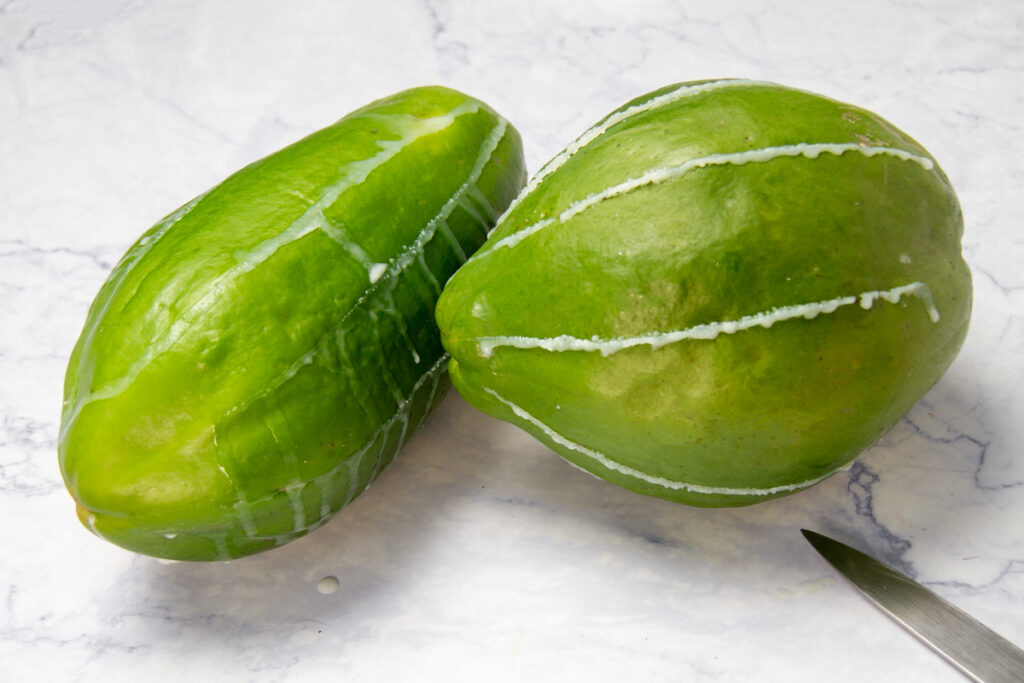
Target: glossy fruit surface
(721, 293)
(258, 356)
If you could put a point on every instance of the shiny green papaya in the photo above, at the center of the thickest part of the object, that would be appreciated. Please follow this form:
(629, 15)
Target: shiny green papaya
(721, 293)
(259, 355)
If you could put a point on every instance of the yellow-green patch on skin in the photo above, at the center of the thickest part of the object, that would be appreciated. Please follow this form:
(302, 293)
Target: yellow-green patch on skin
(258, 357)
(719, 295)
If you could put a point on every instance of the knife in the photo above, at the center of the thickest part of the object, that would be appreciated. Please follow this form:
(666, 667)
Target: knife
(978, 651)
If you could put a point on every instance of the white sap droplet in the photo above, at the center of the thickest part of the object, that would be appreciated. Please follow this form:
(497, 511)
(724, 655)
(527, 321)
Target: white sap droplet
(90, 520)
(377, 271)
(415, 357)
(905, 259)
(328, 585)
(171, 535)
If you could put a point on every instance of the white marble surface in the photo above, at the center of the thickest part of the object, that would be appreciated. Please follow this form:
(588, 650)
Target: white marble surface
(479, 555)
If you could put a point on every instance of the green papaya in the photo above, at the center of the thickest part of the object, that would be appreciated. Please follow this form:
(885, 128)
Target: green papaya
(259, 355)
(721, 293)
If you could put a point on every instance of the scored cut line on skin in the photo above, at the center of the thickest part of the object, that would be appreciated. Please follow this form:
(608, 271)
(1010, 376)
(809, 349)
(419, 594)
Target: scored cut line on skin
(662, 174)
(662, 482)
(615, 118)
(402, 413)
(415, 249)
(243, 509)
(306, 223)
(395, 269)
(404, 407)
(711, 330)
(119, 275)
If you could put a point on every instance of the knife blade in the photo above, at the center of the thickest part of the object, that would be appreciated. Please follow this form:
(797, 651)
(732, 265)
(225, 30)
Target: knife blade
(976, 650)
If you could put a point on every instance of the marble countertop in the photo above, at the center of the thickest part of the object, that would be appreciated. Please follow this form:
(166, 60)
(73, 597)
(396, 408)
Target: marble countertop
(479, 555)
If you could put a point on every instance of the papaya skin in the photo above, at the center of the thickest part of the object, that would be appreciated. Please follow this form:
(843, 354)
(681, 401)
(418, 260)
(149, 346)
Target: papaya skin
(258, 357)
(721, 294)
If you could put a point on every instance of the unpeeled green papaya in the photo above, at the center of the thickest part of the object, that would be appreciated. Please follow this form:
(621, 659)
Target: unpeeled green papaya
(721, 293)
(259, 355)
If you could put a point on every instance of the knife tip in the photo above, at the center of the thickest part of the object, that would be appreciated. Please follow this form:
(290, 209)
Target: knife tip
(817, 541)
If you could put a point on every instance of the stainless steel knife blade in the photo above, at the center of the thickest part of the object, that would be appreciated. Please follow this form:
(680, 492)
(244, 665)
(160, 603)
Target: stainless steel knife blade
(976, 650)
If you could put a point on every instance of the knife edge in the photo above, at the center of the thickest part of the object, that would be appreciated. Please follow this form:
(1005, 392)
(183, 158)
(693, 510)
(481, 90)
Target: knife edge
(973, 648)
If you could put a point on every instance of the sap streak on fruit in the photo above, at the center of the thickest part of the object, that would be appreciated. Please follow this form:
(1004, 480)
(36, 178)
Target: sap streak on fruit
(721, 293)
(260, 354)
